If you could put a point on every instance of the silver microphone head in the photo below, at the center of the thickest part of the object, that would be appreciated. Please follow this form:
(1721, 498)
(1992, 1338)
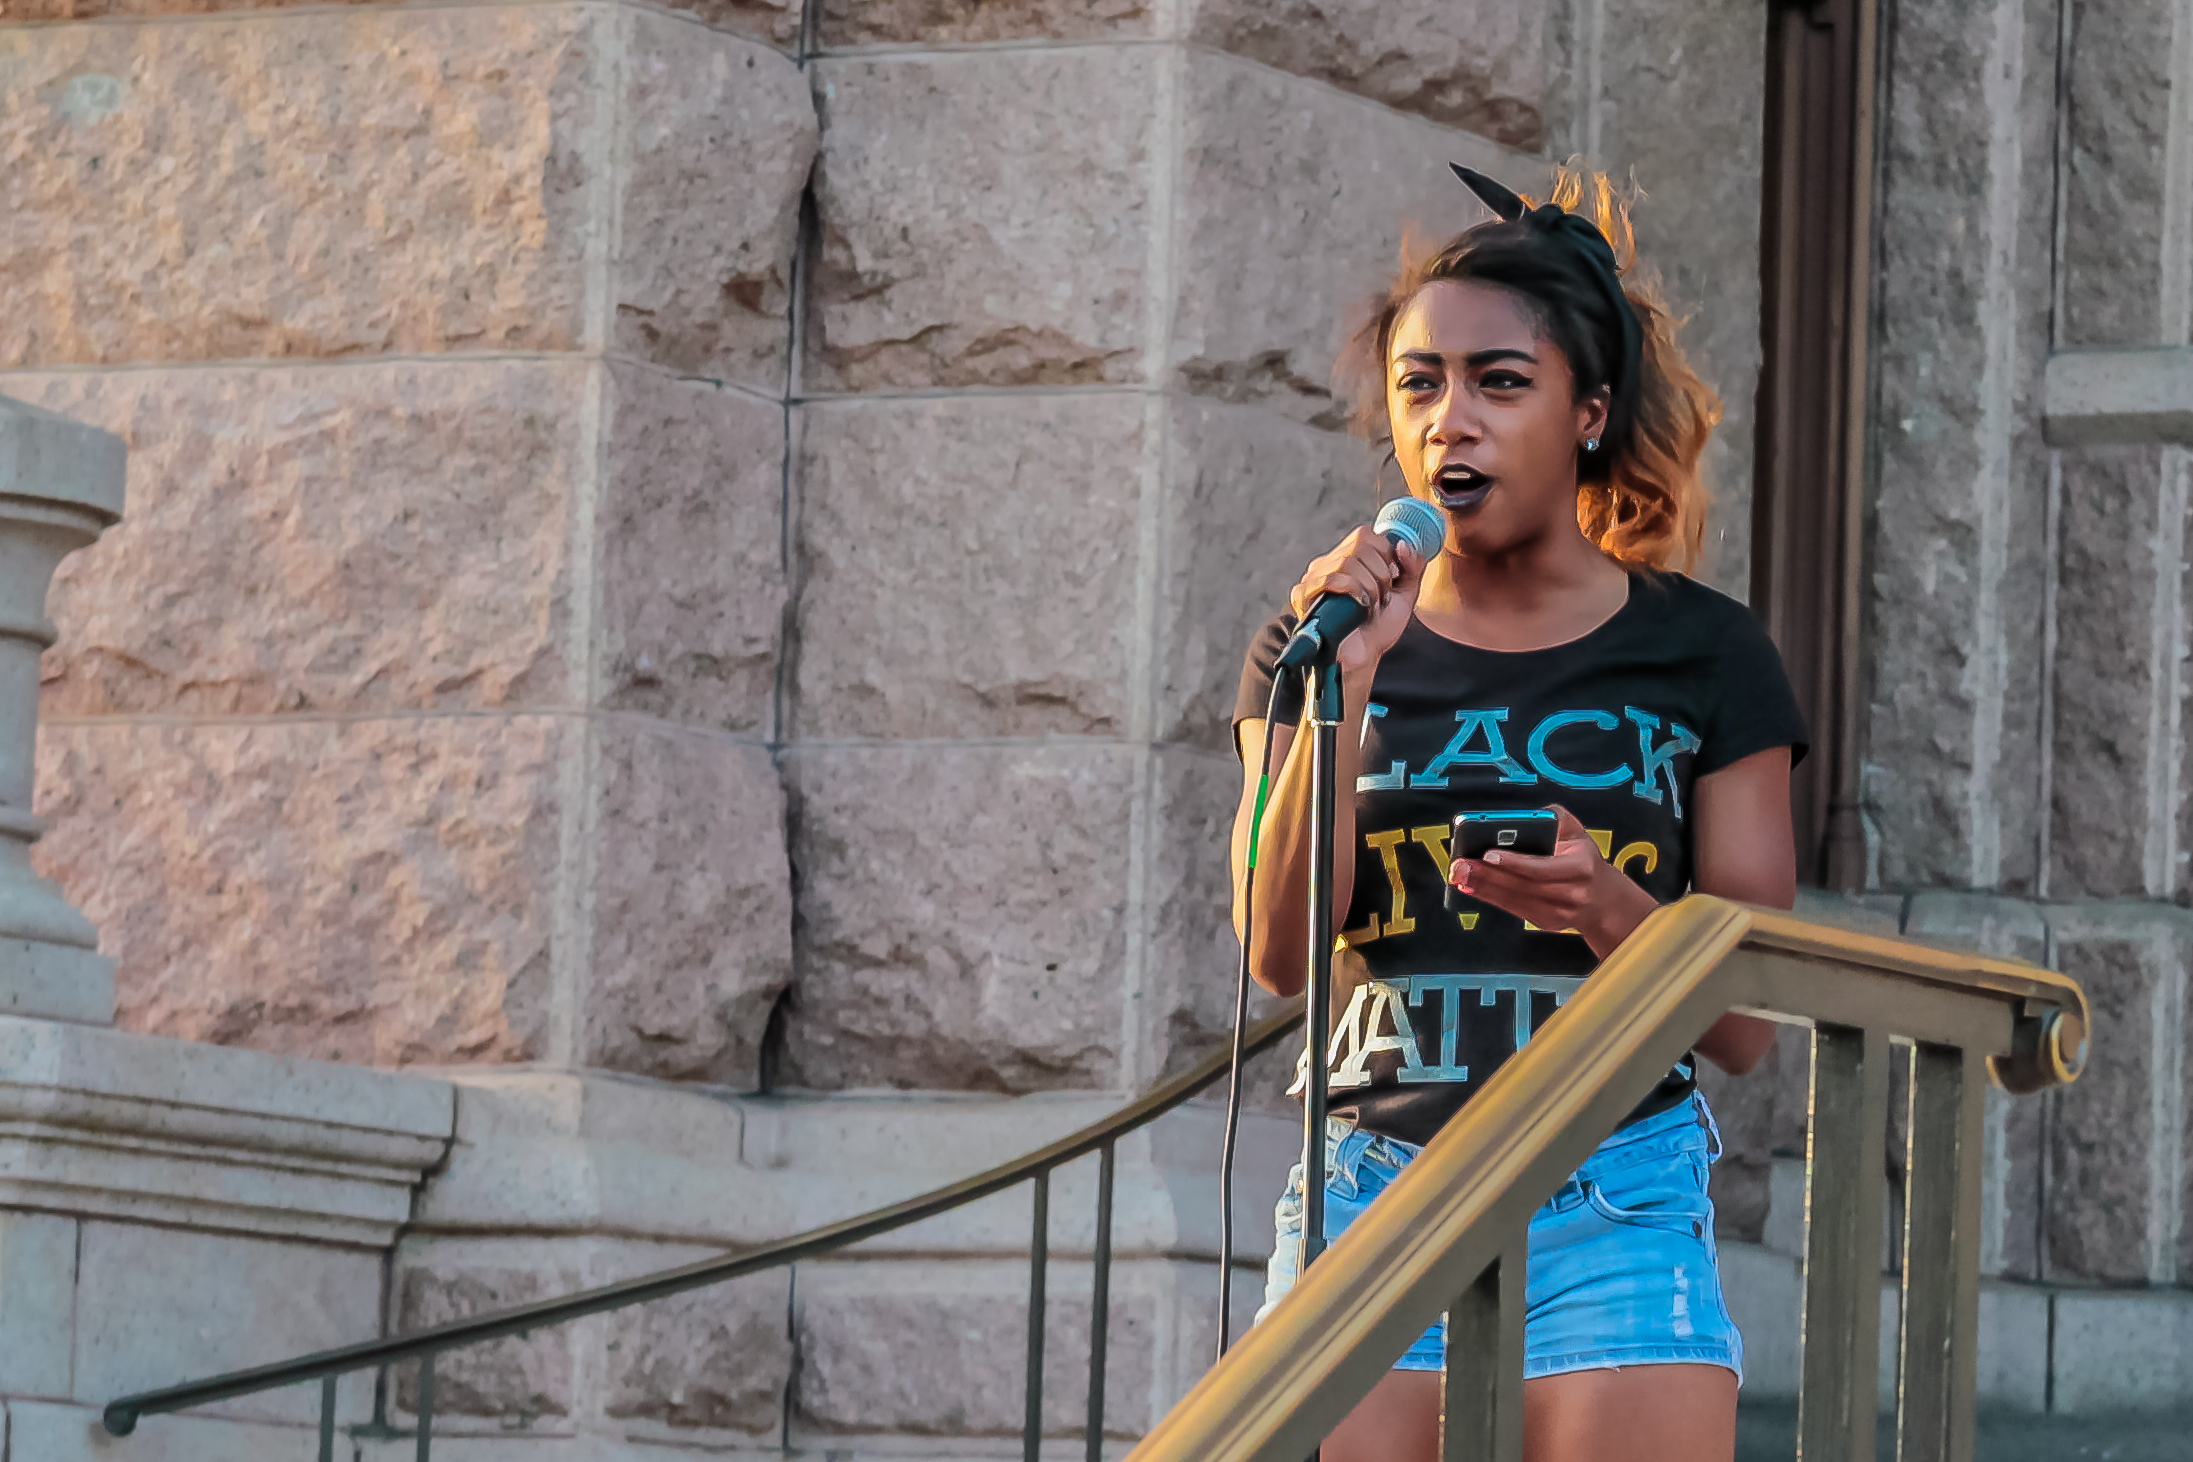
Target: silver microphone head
(1415, 522)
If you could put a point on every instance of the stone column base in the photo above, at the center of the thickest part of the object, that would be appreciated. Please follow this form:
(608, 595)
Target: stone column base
(55, 982)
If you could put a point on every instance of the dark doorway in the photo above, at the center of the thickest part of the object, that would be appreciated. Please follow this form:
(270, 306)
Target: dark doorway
(1808, 492)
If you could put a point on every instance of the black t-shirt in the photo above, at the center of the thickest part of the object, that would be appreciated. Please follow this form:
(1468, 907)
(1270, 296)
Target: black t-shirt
(1615, 726)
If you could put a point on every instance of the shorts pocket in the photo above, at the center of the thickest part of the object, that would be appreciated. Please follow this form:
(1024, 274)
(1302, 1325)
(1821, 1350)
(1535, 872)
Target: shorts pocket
(1670, 1197)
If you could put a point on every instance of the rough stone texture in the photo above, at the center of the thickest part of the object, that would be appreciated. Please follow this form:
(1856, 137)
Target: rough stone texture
(37, 1302)
(166, 204)
(2106, 602)
(1485, 66)
(1187, 1001)
(154, 1305)
(2012, 1186)
(716, 1358)
(165, 201)
(2117, 122)
(1681, 111)
(973, 22)
(2100, 1201)
(1953, 618)
(518, 1379)
(775, 21)
(1017, 255)
(938, 1349)
(962, 921)
(404, 536)
(374, 892)
(718, 136)
(1290, 216)
(691, 579)
(692, 915)
(314, 540)
(967, 566)
(1249, 501)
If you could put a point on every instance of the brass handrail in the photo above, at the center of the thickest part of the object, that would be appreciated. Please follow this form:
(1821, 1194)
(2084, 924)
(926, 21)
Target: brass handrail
(1449, 1235)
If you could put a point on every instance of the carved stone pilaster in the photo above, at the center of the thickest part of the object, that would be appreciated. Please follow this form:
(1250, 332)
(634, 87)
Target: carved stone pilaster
(60, 488)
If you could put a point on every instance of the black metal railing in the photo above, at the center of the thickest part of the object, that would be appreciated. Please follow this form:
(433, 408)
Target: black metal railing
(424, 1346)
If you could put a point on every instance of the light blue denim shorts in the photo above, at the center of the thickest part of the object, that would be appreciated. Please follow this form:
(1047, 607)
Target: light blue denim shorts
(1623, 1270)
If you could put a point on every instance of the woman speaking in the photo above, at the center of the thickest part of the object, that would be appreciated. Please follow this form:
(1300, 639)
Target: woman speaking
(1550, 654)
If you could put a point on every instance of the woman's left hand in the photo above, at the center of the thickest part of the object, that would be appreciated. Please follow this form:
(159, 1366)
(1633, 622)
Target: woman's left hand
(1573, 889)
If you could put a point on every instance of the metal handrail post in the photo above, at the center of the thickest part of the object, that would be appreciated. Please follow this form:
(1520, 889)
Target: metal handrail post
(1938, 1369)
(1326, 713)
(1481, 1387)
(1039, 1260)
(1845, 1186)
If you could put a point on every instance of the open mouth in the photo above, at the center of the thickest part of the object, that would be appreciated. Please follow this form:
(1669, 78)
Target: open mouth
(1460, 487)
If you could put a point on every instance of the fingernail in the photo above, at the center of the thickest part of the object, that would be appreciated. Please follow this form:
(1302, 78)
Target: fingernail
(1493, 856)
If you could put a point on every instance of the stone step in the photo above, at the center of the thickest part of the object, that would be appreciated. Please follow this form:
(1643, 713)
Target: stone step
(1767, 1432)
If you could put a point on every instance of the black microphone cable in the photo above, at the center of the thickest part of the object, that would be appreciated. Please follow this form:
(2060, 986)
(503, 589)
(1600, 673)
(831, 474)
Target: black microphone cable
(1241, 1028)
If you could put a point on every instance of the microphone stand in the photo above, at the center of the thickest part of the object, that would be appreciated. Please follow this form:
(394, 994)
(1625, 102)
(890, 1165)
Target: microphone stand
(1327, 711)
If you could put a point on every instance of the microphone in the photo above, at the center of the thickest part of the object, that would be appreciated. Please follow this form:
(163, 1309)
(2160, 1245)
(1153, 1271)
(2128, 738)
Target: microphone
(1406, 521)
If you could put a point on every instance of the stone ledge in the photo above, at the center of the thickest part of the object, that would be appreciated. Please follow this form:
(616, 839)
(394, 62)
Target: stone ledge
(843, 1155)
(2074, 1352)
(2120, 397)
(56, 1433)
(102, 1122)
(540, 1152)
(566, 1153)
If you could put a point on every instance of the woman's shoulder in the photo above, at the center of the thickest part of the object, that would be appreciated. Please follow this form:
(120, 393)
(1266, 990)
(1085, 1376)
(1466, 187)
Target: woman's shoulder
(1269, 639)
(1676, 600)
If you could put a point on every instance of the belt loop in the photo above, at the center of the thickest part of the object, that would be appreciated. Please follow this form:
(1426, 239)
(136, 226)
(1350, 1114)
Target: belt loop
(1713, 1128)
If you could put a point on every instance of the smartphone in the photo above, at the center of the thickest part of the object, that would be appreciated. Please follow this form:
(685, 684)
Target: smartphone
(1478, 833)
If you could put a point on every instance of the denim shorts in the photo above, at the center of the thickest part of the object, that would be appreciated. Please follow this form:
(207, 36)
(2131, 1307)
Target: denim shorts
(1623, 1270)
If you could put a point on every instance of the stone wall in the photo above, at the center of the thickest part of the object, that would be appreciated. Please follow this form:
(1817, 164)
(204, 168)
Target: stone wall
(542, 421)
(534, 464)
(1070, 383)
(2026, 631)
(543, 417)
(421, 710)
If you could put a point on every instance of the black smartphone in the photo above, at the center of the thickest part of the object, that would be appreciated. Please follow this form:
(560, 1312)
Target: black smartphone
(1478, 833)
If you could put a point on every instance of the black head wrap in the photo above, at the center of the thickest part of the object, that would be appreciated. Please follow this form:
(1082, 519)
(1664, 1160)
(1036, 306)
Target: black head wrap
(1581, 237)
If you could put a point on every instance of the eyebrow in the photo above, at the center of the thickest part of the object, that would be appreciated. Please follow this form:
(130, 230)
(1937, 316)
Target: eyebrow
(1474, 360)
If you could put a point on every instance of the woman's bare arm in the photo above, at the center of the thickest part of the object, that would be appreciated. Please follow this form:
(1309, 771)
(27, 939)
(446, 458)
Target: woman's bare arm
(1744, 851)
(1279, 954)
(1373, 571)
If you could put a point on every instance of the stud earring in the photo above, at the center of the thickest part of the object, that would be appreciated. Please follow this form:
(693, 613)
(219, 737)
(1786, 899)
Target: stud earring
(1591, 444)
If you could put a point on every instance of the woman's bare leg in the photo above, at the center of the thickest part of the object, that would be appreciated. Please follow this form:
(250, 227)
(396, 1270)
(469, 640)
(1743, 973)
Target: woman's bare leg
(1397, 1422)
(1672, 1413)
(1642, 1414)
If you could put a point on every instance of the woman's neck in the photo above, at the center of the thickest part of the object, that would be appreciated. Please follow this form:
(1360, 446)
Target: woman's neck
(1533, 596)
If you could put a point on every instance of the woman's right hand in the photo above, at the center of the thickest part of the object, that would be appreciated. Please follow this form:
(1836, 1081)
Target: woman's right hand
(1372, 570)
